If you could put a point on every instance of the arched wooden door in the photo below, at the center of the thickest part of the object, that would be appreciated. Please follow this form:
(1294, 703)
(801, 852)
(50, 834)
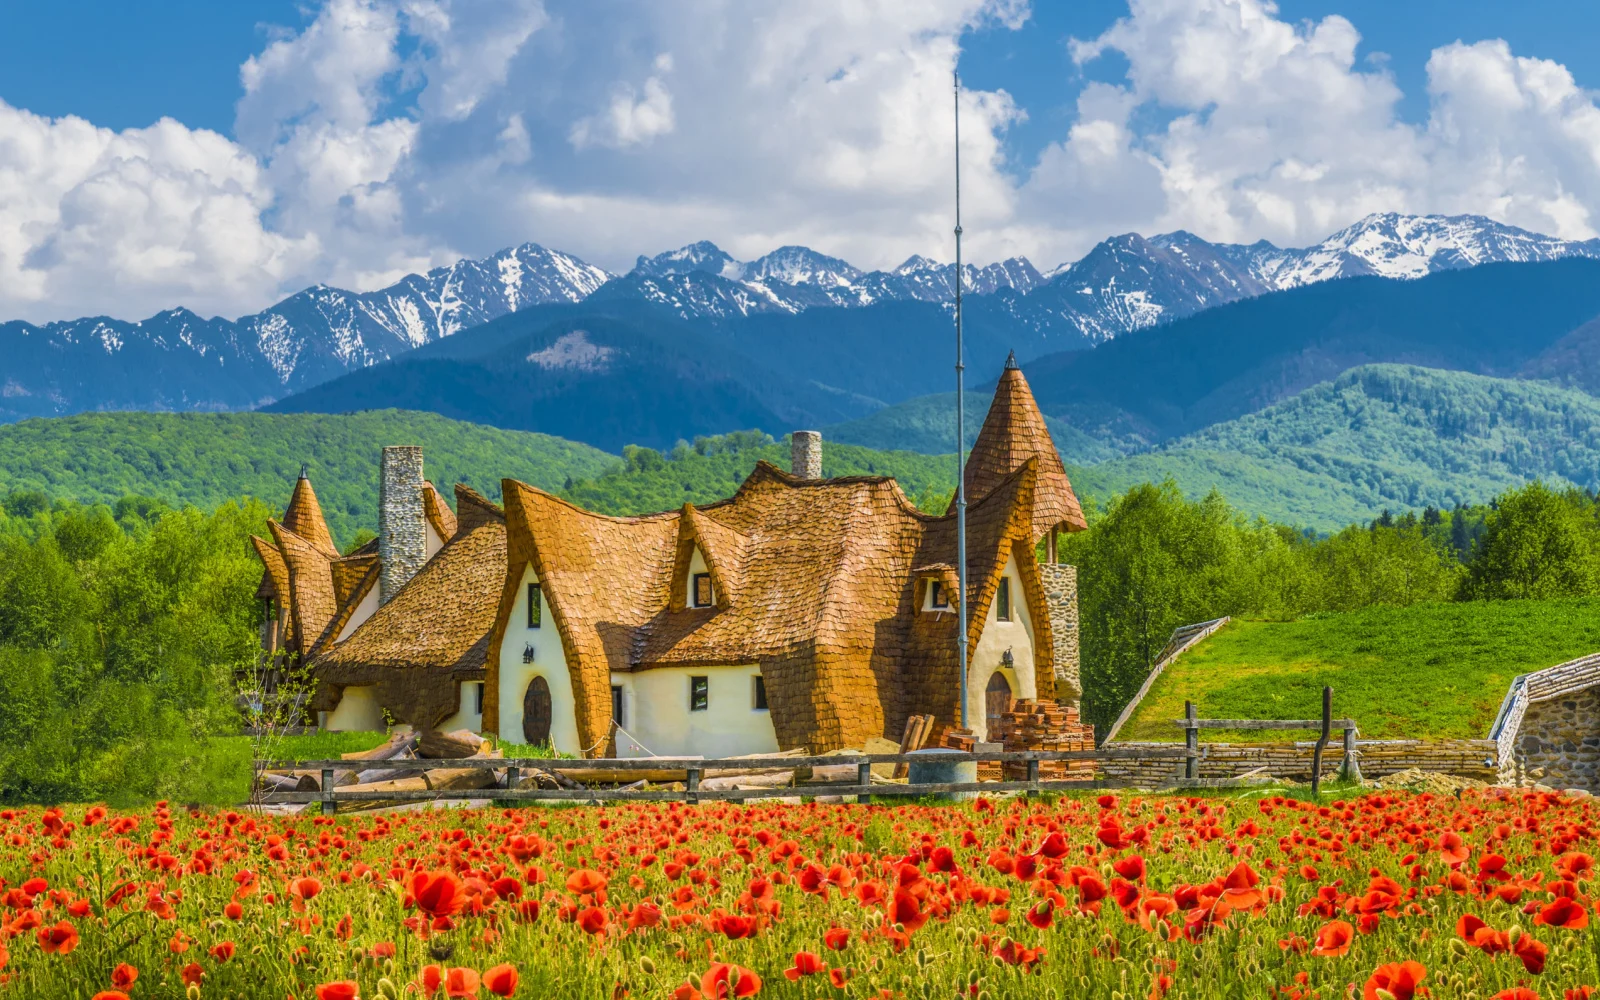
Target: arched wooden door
(536, 712)
(996, 701)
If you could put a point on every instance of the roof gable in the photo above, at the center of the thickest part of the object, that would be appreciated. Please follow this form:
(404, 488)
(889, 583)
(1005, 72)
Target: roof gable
(312, 599)
(1014, 432)
(304, 517)
(438, 512)
(723, 549)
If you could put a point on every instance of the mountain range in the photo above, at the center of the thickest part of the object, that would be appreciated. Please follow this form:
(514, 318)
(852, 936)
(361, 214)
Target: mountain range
(178, 360)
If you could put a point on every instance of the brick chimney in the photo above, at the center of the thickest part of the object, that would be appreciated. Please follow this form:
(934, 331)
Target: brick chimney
(805, 454)
(402, 536)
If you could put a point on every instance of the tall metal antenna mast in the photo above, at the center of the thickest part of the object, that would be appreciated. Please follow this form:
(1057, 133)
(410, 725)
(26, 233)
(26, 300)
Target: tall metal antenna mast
(961, 438)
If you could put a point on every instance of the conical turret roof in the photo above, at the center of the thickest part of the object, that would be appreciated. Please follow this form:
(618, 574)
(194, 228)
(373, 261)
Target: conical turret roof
(1013, 432)
(304, 518)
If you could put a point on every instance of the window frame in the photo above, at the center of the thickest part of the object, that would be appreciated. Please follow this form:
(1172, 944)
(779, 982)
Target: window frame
(699, 693)
(694, 591)
(758, 694)
(535, 606)
(618, 705)
(477, 696)
(1002, 600)
(938, 598)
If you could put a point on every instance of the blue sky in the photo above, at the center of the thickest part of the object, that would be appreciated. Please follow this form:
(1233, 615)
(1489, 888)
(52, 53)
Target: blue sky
(352, 141)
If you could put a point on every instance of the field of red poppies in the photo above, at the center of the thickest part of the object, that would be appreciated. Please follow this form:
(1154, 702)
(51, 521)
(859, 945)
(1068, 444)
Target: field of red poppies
(1127, 898)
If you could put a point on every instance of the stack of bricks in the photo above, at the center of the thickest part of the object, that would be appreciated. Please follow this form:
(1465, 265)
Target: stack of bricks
(1045, 726)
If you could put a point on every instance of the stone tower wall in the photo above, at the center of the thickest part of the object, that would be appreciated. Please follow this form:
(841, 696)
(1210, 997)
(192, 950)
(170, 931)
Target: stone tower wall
(402, 531)
(1061, 597)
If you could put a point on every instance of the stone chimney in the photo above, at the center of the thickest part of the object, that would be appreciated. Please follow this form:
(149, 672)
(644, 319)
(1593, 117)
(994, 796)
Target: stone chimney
(1061, 598)
(805, 454)
(402, 537)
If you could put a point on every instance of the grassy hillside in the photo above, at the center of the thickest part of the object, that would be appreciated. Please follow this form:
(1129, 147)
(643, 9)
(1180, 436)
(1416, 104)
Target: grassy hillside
(205, 458)
(1378, 436)
(927, 424)
(1429, 670)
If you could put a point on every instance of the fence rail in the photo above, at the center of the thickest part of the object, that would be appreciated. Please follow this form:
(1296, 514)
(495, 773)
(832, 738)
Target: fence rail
(695, 768)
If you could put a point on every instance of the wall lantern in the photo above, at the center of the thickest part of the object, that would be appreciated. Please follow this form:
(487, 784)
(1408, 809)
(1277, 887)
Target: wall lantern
(527, 653)
(1006, 659)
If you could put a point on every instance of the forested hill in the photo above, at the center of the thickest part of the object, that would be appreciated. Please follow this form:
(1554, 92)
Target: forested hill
(1379, 436)
(206, 459)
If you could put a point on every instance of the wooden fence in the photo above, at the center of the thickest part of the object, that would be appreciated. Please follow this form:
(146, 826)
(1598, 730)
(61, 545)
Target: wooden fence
(1351, 769)
(694, 768)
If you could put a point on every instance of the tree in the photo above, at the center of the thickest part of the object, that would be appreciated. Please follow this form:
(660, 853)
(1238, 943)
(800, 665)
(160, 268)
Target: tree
(1537, 543)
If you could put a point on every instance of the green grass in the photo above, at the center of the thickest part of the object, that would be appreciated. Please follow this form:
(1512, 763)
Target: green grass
(1433, 671)
(319, 745)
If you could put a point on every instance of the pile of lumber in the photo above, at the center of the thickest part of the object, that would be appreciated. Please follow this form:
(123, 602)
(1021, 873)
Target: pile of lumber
(915, 737)
(402, 745)
(1044, 726)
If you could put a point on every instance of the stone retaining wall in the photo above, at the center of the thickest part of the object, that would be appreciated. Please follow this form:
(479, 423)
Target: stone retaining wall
(1463, 758)
(1549, 730)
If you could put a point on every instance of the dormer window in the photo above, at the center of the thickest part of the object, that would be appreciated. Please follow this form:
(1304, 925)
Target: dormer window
(938, 596)
(700, 595)
(1002, 600)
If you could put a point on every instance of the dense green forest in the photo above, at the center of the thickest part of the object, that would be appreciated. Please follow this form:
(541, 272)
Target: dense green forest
(206, 459)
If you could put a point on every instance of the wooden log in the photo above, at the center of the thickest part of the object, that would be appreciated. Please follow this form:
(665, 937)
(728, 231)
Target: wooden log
(459, 777)
(434, 745)
(765, 779)
(396, 745)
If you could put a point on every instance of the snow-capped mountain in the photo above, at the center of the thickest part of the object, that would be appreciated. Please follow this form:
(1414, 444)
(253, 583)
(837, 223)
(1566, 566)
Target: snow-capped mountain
(703, 281)
(178, 360)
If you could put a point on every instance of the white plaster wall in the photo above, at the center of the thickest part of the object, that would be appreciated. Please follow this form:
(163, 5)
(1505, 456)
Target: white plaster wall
(997, 636)
(550, 662)
(432, 542)
(363, 611)
(656, 713)
(465, 717)
(697, 564)
(358, 711)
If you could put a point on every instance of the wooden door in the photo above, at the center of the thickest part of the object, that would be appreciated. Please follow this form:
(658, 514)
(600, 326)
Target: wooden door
(996, 701)
(536, 712)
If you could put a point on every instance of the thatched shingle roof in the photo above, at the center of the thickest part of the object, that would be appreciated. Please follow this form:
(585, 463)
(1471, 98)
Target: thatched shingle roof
(816, 584)
(304, 517)
(1014, 432)
(434, 632)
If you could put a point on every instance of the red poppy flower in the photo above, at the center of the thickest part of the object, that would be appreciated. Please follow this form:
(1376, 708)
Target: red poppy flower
(110, 995)
(735, 927)
(1131, 867)
(192, 974)
(644, 915)
(1563, 912)
(593, 920)
(1532, 953)
(430, 979)
(1480, 935)
(836, 938)
(222, 952)
(723, 982)
(906, 911)
(1042, 914)
(58, 940)
(501, 980)
(839, 977)
(1399, 979)
(584, 882)
(233, 911)
(124, 976)
(1333, 940)
(1453, 849)
(438, 894)
(460, 982)
(343, 989)
(1581, 993)
(1239, 888)
(302, 891)
(1516, 993)
(805, 964)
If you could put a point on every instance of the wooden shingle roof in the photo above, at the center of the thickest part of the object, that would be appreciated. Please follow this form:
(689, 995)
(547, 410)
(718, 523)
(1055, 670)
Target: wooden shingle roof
(818, 588)
(435, 631)
(304, 517)
(1014, 432)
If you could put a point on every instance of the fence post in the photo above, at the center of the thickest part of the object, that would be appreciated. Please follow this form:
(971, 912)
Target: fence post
(692, 785)
(1033, 778)
(1352, 763)
(1322, 741)
(513, 775)
(864, 779)
(328, 805)
(1191, 742)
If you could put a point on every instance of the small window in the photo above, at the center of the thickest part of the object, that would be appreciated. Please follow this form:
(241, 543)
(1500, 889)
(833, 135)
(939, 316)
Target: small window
(702, 590)
(535, 606)
(1002, 600)
(699, 694)
(760, 693)
(616, 704)
(477, 698)
(940, 598)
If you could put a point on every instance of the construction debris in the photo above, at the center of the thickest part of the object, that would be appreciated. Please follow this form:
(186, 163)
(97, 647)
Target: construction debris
(1044, 726)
